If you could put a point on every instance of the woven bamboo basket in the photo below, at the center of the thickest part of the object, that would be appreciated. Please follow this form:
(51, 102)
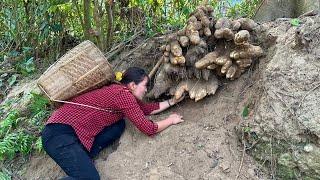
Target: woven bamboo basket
(81, 69)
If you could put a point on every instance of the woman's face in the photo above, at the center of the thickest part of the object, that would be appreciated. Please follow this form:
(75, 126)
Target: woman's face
(139, 90)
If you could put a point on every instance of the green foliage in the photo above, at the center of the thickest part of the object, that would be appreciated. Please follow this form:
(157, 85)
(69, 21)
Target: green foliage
(34, 32)
(277, 153)
(12, 80)
(19, 133)
(284, 172)
(172, 15)
(162, 16)
(38, 103)
(247, 129)
(244, 9)
(295, 22)
(31, 32)
(10, 122)
(245, 112)
(26, 67)
(38, 145)
(4, 176)
(7, 147)
(4, 107)
(15, 142)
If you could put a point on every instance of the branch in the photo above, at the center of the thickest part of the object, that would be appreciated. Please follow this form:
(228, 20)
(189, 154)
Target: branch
(256, 11)
(7, 71)
(316, 86)
(155, 68)
(242, 157)
(120, 46)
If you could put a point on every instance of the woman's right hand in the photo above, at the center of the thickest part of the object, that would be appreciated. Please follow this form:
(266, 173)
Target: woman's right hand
(175, 118)
(171, 120)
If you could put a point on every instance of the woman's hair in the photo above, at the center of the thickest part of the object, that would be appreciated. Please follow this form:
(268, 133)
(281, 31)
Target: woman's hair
(133, 74)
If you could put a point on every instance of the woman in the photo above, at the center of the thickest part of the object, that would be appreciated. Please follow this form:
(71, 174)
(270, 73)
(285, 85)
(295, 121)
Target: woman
(74, 134)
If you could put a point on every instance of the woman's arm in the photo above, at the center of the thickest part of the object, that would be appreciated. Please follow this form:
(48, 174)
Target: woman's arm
(127, 103)
(171, 120)
(166, 104)
(163, 106)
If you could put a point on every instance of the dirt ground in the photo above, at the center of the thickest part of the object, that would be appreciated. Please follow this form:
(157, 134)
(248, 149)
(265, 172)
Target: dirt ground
(204, 146)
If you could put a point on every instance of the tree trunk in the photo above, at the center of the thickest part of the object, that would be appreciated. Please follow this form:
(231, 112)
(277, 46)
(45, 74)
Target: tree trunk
(86, 19)
(79, 14)
(16, 21)
(97, 16)
(109, 7)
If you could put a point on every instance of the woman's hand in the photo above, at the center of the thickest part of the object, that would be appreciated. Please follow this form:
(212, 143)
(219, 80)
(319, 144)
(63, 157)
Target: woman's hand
(175, 118)
(174, 101)
(171, 120)
(166, 104)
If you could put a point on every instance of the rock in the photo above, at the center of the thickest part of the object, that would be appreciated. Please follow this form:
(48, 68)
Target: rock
(308, 148)
(225, 167)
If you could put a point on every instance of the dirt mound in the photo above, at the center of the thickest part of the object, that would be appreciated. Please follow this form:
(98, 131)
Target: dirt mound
(205, 146)
(286, 118)
(280, 127)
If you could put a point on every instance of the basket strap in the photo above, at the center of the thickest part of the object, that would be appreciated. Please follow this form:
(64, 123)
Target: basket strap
(79, 104)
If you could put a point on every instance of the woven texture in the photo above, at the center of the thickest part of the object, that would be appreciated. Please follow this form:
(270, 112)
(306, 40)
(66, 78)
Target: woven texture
(81, 69)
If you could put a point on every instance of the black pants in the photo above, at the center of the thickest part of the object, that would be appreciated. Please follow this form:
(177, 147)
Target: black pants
(64, 147)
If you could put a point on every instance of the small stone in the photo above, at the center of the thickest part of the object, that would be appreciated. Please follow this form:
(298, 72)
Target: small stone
(225, 167)
(251, 172)
(308, 148)
(215, 163)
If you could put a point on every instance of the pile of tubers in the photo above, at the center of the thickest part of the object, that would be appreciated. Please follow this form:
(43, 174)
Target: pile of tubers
(205, 48)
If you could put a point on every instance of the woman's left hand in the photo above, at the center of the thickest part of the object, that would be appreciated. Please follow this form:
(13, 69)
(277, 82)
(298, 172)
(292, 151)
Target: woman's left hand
(174, 101)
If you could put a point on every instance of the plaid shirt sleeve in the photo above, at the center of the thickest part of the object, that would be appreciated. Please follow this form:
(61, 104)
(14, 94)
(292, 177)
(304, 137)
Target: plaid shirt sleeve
(129, 105)
(147, 108)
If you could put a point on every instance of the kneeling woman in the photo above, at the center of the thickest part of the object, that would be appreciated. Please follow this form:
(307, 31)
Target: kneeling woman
(75, 134)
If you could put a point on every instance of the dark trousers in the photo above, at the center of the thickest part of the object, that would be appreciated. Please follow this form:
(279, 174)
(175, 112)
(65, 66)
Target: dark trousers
(64, 147)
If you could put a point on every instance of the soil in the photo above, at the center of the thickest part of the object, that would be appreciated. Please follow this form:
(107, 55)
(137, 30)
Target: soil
(206, 145)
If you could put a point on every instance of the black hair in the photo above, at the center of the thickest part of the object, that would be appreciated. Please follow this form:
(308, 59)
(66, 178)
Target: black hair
(134, 74)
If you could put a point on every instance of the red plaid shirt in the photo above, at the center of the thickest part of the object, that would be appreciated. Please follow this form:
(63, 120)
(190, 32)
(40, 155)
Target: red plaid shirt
(88, 122)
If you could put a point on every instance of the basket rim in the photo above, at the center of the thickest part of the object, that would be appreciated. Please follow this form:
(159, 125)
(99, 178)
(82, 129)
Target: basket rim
(51, 66)
(41, 80)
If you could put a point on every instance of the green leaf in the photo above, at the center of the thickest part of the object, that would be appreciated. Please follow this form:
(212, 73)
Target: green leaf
(58, 2)
(12, 80)
(43, 25)
(9, 122)
(56, 27)
(5, 176)
(186, 10)
(29, 65)
(245, 111)
(38, 145)
(295, 22)
(38, 103)
(26, 49)
(247, 129)
(14, 53)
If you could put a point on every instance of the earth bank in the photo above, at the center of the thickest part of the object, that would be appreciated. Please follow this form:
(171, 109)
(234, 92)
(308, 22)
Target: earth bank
(218, 140)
